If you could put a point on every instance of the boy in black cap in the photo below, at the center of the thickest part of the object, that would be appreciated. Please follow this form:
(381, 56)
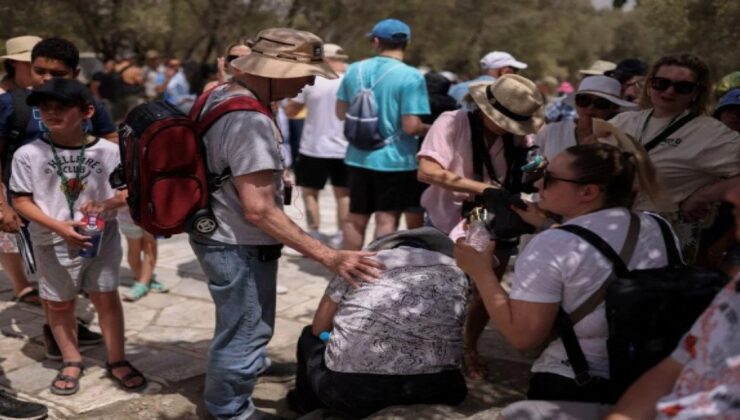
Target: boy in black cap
(56, 180)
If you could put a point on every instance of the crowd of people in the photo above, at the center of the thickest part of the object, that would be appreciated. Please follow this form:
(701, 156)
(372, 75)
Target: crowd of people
(630, 154)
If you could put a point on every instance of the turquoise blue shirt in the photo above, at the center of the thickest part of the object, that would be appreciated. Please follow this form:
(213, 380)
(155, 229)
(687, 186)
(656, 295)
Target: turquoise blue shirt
(401, 92)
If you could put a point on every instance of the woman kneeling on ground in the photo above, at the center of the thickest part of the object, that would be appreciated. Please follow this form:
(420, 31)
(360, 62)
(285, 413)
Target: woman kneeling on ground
(591, 186)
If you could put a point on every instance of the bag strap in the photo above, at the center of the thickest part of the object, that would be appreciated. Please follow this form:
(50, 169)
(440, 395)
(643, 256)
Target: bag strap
(237, 103)
(564, 323)
(382, 76)
(590, 304)
(672, 251)
(21, 115)
(481, 157)
(668, 131)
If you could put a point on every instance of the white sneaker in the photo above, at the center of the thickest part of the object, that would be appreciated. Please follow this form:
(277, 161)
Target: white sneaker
(280, 289)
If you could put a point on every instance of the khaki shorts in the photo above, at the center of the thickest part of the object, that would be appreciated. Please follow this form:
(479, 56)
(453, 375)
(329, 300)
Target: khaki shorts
(61, 278)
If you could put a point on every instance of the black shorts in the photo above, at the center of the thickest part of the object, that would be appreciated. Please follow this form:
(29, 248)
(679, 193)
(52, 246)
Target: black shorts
(371, 191)
(312, 172)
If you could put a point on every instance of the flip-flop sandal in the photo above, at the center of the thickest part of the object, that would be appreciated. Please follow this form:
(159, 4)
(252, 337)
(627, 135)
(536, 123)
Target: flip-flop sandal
(68, 379)
(29, 296)
(133, 373)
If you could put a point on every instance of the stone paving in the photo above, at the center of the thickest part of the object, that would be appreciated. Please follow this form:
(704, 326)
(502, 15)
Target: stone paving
(168, 337)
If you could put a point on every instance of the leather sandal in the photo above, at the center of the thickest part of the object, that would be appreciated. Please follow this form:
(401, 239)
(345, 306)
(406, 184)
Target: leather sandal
(133, 373)
(68, 379)
(29, 296)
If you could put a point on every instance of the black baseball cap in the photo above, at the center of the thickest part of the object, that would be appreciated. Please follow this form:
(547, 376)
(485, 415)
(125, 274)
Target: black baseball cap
(627, 68)
(66, 91)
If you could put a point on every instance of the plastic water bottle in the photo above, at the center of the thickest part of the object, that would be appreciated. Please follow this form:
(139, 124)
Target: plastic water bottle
(478, 236)
(94, 227)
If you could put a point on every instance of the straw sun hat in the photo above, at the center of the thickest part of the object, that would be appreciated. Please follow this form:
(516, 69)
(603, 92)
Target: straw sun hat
(284, 53)
(512, 102)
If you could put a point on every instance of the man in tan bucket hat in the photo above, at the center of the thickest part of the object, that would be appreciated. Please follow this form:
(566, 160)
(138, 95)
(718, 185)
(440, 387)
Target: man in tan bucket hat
(17, 59)
(240, 257)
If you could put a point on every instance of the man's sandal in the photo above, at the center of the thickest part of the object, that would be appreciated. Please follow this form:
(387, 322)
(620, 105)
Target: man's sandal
(68, 379)
(133, 373)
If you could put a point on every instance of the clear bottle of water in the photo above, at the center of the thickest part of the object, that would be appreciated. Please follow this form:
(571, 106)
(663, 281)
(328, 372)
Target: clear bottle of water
(478, 236)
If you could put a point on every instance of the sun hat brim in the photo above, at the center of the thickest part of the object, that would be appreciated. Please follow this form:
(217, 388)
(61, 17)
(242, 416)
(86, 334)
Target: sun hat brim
(522, 128)
(626, 105)
(279, 68)
(24, 56)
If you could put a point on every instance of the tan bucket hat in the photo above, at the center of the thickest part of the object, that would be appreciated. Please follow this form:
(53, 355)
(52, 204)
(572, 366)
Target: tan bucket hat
(512, 102)
(19, 48)
(284, 53)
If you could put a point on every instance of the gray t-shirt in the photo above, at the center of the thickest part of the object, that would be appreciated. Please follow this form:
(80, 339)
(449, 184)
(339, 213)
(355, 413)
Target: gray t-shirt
(247, 142)
(410, 321)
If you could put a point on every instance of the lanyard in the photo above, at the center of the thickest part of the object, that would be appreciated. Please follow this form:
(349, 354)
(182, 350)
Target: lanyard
(70, 187)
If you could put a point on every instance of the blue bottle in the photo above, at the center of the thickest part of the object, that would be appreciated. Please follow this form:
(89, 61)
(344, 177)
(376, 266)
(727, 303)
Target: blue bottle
(94, 229)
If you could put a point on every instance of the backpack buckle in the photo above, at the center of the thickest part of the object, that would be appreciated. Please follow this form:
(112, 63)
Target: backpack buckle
(583, 378)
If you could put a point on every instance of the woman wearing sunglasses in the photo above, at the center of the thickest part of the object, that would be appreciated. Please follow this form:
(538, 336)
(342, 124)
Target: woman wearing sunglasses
(596, 97)
(592, 186)
(233, 51)
(693, 153)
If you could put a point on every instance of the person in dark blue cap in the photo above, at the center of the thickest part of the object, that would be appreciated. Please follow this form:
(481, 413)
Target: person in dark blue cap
(383, 180)
(728, 109)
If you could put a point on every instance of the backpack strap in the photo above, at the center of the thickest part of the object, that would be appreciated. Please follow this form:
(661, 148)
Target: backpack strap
(668, 131)
(672, 251)
(204, 122)
(564, 322)
(387, 72)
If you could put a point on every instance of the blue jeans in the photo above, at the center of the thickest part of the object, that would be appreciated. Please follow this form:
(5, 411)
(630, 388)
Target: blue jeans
(242, 285)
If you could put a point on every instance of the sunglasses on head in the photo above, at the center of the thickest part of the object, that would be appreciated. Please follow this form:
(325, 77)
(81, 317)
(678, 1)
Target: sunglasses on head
(584, 101)
(548, 179)
(682, 87)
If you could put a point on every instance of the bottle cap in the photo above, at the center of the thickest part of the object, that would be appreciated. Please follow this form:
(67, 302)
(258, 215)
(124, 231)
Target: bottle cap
(324, 336)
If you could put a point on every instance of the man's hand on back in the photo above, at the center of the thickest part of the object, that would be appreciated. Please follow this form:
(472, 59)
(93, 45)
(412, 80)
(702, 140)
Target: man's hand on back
(354, 266)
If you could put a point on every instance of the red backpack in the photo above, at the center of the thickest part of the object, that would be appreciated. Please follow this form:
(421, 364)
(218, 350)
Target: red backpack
(164, 164)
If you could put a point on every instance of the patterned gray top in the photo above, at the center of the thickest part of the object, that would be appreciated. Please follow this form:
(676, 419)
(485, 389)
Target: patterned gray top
(410, 321)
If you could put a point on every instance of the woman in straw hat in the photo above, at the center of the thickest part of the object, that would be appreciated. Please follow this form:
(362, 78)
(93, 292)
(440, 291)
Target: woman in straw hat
(505, 112)
(597, 97)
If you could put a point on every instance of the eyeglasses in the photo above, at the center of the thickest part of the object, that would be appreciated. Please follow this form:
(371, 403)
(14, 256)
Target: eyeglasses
(584, 101)
(681, 87)
(548, 179)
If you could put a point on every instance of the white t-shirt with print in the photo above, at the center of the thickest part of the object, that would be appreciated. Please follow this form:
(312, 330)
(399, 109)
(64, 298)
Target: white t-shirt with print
(35, 173)
(698, 154)
(558, 266)
(323, 132)
(556, 137)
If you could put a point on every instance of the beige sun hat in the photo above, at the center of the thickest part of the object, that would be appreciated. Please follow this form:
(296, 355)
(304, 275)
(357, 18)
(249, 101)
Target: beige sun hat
(335, 51)
(599, 67)
(284, 53)
(512, 102)
(19, 48)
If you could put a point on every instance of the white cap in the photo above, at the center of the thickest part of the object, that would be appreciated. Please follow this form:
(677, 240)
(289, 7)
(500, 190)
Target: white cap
(499, 59)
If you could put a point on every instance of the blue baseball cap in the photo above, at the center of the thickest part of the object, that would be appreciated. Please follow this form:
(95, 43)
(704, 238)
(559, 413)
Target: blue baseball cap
(729, 99)
(391, 29)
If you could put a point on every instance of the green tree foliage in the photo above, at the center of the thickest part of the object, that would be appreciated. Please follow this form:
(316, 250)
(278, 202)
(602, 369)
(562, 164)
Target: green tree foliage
(555, 37)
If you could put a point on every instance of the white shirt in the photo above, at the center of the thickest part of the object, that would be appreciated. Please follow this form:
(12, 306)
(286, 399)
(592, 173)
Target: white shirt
(700, 153)
(323, 132)
(560, 267)
(556, 137)
(34, 173)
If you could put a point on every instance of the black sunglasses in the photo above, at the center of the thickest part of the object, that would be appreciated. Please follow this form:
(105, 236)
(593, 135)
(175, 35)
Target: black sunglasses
(548, 179)
(584, 101)
(231, 57)
(682, 87)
